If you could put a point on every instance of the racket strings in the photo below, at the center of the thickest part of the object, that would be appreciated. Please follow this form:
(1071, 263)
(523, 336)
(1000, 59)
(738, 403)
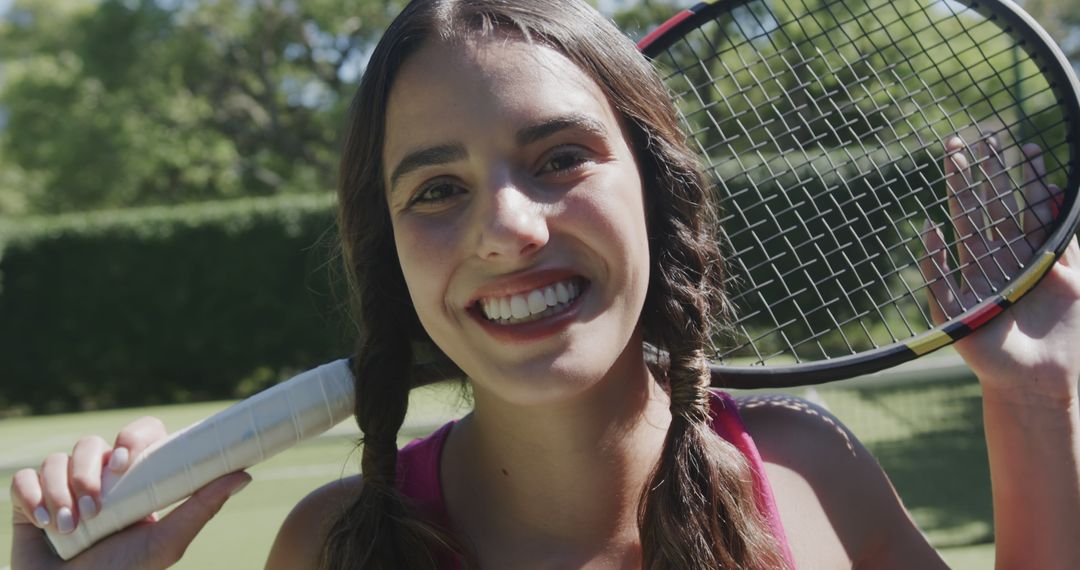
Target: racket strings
(742, 91)
(854, 102)
(802, 120)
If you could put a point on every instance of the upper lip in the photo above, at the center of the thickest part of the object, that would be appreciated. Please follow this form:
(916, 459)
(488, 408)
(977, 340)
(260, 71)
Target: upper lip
(520, 283)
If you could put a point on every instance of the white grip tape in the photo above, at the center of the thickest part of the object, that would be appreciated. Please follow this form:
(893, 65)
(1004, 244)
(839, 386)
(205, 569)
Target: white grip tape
(236, 438)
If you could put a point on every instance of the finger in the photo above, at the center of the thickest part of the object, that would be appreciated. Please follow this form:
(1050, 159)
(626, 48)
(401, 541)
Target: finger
(57, 492)
(1071, 255)
(84, 470)
(133, 440)
(935, 271)
(1039, 207)
(997, 190)
(27, 499)
(171, 536)
(965, 212)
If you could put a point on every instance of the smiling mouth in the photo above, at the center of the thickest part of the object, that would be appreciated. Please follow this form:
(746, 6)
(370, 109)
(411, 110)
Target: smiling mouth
(534, 305)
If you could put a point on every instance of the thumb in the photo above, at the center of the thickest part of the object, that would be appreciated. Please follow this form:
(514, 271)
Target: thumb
(172, 535)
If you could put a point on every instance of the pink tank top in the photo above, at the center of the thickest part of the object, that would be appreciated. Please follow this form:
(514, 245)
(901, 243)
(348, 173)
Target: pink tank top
(418, 473)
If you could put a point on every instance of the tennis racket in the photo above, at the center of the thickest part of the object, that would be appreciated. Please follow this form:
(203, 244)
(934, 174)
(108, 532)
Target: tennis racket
(824, 124)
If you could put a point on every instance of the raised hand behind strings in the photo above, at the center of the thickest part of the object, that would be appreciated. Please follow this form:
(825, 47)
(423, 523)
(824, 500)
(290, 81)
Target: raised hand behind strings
(1033, 349)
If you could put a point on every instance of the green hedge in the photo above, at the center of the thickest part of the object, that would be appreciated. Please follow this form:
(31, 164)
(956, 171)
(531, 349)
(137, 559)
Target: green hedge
(173, 304)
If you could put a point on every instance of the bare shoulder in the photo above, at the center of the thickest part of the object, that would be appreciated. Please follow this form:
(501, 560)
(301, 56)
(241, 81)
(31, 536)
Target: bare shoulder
(834, 499)
(300, 538)
(801, 435)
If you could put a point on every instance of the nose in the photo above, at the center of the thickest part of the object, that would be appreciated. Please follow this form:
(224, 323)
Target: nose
(514, 225)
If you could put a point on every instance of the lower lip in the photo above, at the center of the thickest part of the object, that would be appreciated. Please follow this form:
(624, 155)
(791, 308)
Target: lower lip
(533, 330)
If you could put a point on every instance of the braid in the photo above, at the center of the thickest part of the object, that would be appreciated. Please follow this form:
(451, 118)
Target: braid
(690, 394)
(698, 510)
(381, 529)
(382, 377)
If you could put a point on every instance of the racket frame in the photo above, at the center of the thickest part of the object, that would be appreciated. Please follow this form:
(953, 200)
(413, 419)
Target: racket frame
(1038, 44)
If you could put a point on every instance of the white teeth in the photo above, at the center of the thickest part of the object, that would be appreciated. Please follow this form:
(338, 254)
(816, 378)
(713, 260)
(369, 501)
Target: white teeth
(536, 302)
(519, 309)
(533, 305)
(549, 297)
(562, 293)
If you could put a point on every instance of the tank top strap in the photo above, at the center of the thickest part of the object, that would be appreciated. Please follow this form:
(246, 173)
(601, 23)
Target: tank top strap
(418, 478)
(728, 423)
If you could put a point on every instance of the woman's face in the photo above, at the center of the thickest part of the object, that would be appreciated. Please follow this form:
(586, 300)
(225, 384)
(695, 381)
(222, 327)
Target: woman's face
(518, 216)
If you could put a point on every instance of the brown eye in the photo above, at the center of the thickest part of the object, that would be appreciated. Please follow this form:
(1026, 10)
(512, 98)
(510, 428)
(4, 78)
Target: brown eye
(435, 193)
(564, 160)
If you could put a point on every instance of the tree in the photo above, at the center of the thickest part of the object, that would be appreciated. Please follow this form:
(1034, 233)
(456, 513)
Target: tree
(138, 102)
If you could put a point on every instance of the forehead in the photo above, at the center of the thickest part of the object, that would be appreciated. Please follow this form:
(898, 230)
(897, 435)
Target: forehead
(447, 92)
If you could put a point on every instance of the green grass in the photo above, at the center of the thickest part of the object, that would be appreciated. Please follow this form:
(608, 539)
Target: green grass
(927, 436)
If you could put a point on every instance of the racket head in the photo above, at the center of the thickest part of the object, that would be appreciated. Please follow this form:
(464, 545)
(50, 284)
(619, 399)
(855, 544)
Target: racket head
(803, 108)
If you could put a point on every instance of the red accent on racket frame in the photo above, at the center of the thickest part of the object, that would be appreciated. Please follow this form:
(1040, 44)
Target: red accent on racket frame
(671, 23)
(976, 320)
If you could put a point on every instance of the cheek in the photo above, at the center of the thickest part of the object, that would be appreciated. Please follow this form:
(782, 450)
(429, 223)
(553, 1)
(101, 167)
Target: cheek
(613, 215)
(424, 253)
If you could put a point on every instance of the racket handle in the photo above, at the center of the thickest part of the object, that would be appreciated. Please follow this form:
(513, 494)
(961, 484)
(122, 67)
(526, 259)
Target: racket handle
(236, 438)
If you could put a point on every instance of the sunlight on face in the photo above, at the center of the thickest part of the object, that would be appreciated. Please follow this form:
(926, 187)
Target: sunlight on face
(518, 216)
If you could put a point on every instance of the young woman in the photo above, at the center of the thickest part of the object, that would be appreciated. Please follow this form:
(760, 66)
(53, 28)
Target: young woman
(516, 196)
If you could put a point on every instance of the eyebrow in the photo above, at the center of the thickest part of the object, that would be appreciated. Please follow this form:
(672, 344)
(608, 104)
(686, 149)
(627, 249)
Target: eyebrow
(430, 156)
(451, 152)
(549, 127)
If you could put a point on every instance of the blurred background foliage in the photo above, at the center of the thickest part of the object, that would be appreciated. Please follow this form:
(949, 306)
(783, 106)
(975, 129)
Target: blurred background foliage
(160, 305)
(133, 103)
(115, 114)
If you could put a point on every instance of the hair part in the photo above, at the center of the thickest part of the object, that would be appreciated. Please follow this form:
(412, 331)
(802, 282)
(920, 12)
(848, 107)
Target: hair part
(698, 510)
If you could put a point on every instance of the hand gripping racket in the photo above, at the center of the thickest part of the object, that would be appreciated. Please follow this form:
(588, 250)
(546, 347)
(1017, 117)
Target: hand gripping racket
(236, 438)
(824, 125)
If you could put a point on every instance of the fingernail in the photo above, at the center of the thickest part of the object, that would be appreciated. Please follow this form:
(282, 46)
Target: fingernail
(65, 521)
(960, 159)
(119, 459)
(41, 516)
(239, 488)
(87, 507)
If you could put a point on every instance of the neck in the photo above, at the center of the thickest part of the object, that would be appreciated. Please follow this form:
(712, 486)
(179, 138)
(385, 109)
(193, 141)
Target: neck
(561, 477)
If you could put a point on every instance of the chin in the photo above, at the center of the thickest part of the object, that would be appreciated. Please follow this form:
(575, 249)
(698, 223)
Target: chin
(546, 381)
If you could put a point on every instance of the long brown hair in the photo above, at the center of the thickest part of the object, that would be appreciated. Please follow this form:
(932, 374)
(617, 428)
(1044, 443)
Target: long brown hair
(698, 510)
